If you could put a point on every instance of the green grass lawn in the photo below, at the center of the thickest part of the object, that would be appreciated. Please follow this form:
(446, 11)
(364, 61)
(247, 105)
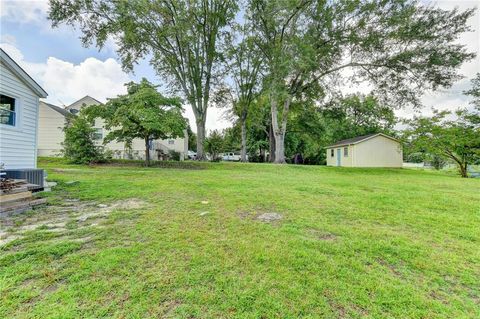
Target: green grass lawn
(352, 243)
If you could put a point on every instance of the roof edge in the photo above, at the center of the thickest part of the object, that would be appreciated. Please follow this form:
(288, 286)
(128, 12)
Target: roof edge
(362, 140)
(69, 106)
(60, 110)
(21, 73)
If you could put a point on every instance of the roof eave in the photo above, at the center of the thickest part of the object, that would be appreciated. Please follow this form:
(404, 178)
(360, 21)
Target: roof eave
(363, 140)
(18, 71)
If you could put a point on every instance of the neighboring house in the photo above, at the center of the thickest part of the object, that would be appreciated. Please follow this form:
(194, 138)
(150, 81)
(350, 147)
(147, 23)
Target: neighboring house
(51, 121)
(19, 107)
(51, 136)
(373, 150)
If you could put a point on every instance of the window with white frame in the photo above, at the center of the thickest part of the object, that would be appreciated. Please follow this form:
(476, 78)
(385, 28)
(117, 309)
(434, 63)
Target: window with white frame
(332, 153)
(171, 142)
(98, 134)
(345, 152)
(8, 112)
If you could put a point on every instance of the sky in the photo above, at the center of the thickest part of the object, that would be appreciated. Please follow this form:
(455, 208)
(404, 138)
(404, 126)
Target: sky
(56, 59)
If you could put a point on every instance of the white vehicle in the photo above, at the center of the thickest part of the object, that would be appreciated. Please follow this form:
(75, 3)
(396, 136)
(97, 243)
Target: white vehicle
(233, 157)
(192, 155)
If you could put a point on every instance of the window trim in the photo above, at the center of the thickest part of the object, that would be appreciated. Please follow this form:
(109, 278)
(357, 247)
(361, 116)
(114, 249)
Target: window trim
(332, 152)
(345, 151)
(18, 113)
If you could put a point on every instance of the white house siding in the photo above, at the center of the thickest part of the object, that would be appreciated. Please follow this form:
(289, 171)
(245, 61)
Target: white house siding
(379, 151)
(50, 134)
(51, 146)
(18, 145)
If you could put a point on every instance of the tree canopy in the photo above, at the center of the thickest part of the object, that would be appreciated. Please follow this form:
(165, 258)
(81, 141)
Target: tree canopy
(401, 48)
(141, 113)
(452, 135)
(181, 39)
(294, 56)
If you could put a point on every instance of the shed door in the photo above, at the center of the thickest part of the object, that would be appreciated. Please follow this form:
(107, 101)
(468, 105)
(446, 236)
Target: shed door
(339, 157)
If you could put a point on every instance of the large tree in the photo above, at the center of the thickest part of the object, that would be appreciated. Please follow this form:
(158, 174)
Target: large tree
(141, 113)
(401, 48)
(356, 114)
(180, 38)
(244, 66)
(455, 136)
(474, 91)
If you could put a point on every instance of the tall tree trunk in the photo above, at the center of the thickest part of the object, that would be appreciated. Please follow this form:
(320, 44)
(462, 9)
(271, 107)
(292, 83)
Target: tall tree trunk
(147, 152)
(201, 156)
(461, 162)
(271, 141)
(262, 155)
(463, 170)
(280, 148)
(279, 129)
(243, 153)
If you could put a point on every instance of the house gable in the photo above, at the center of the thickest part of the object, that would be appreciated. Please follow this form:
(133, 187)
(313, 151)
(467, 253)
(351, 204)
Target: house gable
(87, 100)
(23, 76)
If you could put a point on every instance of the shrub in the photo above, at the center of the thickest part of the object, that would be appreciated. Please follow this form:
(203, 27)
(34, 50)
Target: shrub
(174, 155)
(214, 144)
(79, 145)
(438, 162)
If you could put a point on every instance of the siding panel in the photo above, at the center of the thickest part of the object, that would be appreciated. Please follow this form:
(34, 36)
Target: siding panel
(18, 144)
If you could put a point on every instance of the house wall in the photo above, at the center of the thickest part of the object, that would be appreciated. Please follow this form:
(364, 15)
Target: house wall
(50, 134)
(344, 160)
(378, 152)
(18, 144)
(118, 149)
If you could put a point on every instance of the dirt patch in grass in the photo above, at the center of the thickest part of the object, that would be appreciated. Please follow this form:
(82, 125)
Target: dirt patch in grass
(66, 170)
(438, 296)
(170, 307)
(132, 203)
(189, 165)
(269, 217)
(262, 216)
(390, 266)
(68, 214)
(317, 234)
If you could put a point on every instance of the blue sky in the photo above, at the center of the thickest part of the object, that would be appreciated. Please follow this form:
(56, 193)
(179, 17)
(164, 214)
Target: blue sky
(56, 59)
(68, 71)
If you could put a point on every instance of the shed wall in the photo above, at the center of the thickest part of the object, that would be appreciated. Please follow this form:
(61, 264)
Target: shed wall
(378, 152)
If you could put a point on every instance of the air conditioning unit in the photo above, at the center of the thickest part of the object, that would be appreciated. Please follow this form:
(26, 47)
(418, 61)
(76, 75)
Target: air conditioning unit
(34, 176)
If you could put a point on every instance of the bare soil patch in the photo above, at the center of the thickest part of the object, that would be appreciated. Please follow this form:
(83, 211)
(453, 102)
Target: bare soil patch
(321, 235)
(70, 213)
(269, 217)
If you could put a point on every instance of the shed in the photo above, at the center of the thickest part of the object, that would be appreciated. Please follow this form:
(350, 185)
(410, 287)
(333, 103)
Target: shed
(19, 95)
(373, 150)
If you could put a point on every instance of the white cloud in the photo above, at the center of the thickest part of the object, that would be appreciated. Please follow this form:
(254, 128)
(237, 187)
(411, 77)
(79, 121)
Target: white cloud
(24, 11)
(66, 82)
